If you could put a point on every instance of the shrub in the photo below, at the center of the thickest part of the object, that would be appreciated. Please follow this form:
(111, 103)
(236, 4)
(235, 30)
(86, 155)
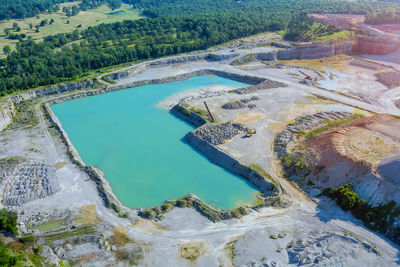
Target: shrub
(28, 239)
(378, 218)
(6, 259)
(181, 203)
(8, 221)
(166, 207)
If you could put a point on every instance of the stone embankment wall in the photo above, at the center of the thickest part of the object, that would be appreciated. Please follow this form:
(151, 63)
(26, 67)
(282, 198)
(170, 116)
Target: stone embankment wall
(233, 76)
(50, 90)
(375, 46)
(184, 114)
(169, 61)
(196, 139)
(6, 115)
(103, 186)
(315, 51)
(309, 51)
(362, 45)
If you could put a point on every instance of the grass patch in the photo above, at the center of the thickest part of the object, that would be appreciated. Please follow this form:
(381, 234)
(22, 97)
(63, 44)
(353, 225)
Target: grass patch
(87, 215)
(102, 14)
(198, 111)
(48, 226)
(191, 251)
(108, 80)
(329, 124)
(258, 169)
(80, 231)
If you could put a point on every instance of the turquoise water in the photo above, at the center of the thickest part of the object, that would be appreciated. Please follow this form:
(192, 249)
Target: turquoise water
(139, 146)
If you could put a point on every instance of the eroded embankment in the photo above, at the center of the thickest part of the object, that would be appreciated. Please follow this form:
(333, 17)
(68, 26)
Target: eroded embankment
(6, 114)
(350, 159)
(320, 153)
(102, 185)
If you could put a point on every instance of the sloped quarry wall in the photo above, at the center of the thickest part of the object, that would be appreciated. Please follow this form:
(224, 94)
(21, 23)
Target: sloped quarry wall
(217, 156)
(50, 90)
(315, 51)
(6, 115)
(363, 45)
(375, 46)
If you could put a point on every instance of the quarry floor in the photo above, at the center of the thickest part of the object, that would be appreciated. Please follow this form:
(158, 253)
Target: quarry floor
(306, 232)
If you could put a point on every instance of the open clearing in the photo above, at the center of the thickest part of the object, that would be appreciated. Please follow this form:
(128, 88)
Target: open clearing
(102, 14)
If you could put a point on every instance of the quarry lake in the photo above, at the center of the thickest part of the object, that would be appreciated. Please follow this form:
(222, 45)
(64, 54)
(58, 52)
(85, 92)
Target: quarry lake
(140, 146)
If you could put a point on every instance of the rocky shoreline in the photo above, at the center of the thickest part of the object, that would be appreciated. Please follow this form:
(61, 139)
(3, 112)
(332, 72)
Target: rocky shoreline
(209, 150)
(103, 186)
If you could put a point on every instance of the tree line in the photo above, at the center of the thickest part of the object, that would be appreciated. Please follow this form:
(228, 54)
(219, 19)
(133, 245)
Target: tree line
(190, 26)
(20, 9)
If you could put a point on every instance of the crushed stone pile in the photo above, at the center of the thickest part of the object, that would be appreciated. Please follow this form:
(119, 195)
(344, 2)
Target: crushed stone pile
(241, 103)
(267, 84)
(217, 134)
(30, 181)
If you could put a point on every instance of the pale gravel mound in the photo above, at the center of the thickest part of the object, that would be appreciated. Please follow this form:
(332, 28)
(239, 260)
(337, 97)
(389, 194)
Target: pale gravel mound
(267, 84)
(217, 134)
(241, 103)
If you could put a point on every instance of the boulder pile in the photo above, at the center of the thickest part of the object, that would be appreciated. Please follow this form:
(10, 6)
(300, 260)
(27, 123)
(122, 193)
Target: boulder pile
(217, 134)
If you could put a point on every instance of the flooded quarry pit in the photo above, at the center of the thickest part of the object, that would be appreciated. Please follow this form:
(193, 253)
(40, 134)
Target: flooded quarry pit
(140, 146)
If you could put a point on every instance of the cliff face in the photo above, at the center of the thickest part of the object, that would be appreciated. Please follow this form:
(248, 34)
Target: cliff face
(364, 153)
(302, 52)
(6, 115)
(50, 90)
(375, 46)
(200, 141)
(315, 51)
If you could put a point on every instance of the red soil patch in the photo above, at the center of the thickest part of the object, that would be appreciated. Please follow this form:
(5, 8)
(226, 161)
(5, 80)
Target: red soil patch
(362, 142)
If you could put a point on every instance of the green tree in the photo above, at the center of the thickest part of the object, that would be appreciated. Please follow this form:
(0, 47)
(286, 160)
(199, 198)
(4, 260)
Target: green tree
(15, 26)
(7, 49)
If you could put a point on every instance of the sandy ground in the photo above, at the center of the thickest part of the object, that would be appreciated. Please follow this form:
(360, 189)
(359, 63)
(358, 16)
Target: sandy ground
(306, 232)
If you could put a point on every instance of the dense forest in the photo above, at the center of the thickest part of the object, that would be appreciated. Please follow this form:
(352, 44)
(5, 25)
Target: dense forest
(175, 26)
(19, 9)
(302, 28)
(383, 17)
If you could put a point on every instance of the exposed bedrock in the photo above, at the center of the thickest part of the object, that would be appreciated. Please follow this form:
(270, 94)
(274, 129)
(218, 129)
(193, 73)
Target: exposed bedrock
(206, 138)
(315, 51)
(103, 186)
(29, 181)
(50, 90)
(375, 46)
(186, 115)
(203, 72)
(364, 152)
(172, 60)
(7, 113)
(253, 80)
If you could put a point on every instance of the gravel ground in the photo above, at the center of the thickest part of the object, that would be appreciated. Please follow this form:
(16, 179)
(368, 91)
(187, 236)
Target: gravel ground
(319, 232)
